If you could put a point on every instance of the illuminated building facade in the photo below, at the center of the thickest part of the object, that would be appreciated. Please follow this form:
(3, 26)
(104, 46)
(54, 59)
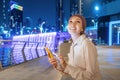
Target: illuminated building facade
(16, 19)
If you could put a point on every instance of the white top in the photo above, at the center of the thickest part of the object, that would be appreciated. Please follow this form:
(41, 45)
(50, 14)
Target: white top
(83, 63)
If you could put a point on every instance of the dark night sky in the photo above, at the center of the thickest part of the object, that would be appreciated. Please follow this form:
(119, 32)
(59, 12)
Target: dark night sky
(36, 9)
(46, 9)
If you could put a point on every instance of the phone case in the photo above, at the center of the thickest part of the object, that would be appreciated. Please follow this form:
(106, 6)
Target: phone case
(49, 53)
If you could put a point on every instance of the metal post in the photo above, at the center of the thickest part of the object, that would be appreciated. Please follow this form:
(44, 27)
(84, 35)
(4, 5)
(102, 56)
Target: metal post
(80, 7)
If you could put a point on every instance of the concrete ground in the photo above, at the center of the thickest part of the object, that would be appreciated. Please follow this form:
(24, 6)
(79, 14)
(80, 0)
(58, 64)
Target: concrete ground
(40, 69)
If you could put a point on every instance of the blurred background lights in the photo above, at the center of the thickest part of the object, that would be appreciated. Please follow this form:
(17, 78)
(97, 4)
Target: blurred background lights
(96, 8)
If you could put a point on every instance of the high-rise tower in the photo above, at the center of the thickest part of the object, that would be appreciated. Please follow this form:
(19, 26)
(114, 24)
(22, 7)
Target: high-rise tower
(16, 18)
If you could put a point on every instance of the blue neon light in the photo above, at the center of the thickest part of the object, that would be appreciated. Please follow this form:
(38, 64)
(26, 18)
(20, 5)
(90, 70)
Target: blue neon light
(110, 35)
(110, 32)
(118, 37)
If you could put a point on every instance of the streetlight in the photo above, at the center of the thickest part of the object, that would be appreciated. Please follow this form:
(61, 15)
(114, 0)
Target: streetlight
(96, 20)
(96, 8)
(93, 21)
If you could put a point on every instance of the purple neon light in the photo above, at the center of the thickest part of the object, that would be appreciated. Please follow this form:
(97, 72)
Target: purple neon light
(46, 39)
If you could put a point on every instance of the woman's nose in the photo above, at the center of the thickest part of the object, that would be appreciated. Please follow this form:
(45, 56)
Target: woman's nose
(73, 24)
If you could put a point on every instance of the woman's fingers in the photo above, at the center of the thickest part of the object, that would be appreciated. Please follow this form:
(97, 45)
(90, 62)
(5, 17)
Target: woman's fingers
(62, 61)
(61, 58)
(53, 62)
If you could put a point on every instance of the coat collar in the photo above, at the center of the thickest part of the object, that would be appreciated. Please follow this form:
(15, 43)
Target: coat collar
(79, 40)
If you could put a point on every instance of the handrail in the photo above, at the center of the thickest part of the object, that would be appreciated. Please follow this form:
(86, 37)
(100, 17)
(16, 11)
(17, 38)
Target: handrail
(21, 41)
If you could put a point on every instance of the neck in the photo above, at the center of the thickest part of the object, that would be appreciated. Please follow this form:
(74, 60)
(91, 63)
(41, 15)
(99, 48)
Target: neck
(74, 37)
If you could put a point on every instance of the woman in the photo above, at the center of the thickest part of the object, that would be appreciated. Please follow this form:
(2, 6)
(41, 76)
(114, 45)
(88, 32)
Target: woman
(82, 63)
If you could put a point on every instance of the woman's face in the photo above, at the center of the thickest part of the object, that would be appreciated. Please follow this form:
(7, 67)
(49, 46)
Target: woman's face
(75, 26)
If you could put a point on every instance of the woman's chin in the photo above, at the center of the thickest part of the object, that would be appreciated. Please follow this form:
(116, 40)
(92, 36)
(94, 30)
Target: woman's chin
(74, 34)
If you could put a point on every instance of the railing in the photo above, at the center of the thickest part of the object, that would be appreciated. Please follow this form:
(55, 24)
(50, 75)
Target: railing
(28, 47)
(21, 51)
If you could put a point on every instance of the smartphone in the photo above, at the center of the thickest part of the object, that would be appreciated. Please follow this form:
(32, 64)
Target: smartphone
(49, 53)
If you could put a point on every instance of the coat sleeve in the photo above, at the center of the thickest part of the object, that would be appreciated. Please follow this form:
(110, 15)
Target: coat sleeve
(89, 72)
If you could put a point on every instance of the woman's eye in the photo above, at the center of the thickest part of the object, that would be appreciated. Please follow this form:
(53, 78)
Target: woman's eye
(70, 21)
(78, 21)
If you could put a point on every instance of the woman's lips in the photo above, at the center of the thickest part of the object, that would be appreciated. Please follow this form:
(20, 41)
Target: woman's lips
(72, 28)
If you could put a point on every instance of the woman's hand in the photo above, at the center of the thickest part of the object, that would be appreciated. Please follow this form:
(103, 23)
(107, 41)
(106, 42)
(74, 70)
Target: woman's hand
(53, 61)
(62, 61)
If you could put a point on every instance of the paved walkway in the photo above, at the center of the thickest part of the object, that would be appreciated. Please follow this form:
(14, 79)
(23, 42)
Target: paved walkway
(40, 69)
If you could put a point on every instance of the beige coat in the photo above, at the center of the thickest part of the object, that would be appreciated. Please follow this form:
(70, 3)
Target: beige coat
(83, 63)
